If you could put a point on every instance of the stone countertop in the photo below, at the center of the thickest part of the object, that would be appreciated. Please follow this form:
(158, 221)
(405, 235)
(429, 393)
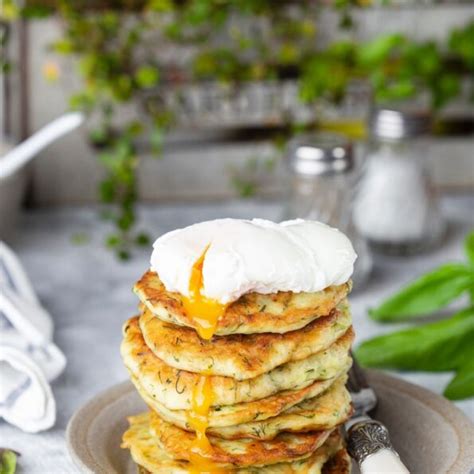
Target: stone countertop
(89, 295)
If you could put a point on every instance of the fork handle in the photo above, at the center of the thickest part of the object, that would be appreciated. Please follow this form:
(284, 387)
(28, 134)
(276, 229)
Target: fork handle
(369, 444)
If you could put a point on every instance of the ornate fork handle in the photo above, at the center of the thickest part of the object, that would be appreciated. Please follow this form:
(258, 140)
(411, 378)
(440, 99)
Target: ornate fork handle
(368, 442)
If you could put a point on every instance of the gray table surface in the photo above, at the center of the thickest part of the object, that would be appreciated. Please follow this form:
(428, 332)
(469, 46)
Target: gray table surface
(89, 295)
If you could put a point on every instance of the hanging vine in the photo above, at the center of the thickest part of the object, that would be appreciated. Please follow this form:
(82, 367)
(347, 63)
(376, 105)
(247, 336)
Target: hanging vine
(118, 44)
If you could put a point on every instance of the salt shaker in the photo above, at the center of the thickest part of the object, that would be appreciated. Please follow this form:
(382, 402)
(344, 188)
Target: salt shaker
(323, 176)
(396, 208)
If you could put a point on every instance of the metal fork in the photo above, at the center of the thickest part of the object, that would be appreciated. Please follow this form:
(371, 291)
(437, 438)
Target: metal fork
(368, 441)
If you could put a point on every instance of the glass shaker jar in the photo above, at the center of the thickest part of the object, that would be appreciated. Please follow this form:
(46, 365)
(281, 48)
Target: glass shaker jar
(396, 208)
(323, 175)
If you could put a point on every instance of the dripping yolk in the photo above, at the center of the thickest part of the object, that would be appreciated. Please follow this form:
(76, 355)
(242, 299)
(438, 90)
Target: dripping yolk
(198, 419)
(205, 312)
(202, 398)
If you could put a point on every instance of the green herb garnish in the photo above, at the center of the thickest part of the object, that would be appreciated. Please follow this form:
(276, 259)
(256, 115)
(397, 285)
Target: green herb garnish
(7, 461)
(445, 345)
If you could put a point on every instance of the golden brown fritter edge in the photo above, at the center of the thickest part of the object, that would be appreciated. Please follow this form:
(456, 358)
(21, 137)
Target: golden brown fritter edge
(263, 409)
(324, 412)
(340, 463)
(174, 388)
(251, 313)
(240, 356)
(286, 447)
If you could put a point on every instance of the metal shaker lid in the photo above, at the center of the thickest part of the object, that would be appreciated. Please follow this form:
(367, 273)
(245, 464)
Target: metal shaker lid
(397, 123)
(320, 154)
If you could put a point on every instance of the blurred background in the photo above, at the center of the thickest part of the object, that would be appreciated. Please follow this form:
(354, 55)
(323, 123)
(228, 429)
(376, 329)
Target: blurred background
(189, 101)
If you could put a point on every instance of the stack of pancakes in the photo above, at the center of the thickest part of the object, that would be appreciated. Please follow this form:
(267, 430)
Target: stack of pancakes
(265, 394)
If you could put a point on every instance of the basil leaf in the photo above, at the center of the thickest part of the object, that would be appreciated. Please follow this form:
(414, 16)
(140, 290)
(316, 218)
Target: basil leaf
(435, 346)
(426, 294)
(469, 247)
(7, 462)
(462, 385)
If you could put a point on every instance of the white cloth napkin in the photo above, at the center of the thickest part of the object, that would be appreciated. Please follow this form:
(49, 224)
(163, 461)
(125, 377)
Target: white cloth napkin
(29, 359)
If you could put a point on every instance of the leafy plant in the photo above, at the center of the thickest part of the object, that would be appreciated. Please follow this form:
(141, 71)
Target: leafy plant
(246, 179)
(397, 68)
(439, 346)
(113, 78)
(118, 67)
(427, 294)
(7, 461)
(117, 44)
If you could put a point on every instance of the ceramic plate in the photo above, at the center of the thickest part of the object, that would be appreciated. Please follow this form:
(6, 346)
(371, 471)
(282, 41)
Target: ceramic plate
(431, 435)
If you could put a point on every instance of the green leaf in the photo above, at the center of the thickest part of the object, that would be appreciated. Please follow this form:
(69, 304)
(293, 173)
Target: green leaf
(142, 239)
(147, 76)
(7, 462)
(428, 293)
(445, 87)
(82, 101)
(123, 255)
(469, 247)
(346, 21)
(113, 241)
(428, 59)
(121, 88)
(125, 221)
(462, 385)
(100, 136)
(433, 347)
(108, 190)
(134, 128)
(397, 90)
(36, 11)
(63, 46)
(244, 187)
(377, 50)
(460, 43)
(160, 5)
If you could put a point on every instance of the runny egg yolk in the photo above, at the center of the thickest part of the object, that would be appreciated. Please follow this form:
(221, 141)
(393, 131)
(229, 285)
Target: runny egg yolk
(198, 419)
(198, 416)
(205, 312)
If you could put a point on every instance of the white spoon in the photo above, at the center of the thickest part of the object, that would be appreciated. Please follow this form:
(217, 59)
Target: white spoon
(25, 151)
